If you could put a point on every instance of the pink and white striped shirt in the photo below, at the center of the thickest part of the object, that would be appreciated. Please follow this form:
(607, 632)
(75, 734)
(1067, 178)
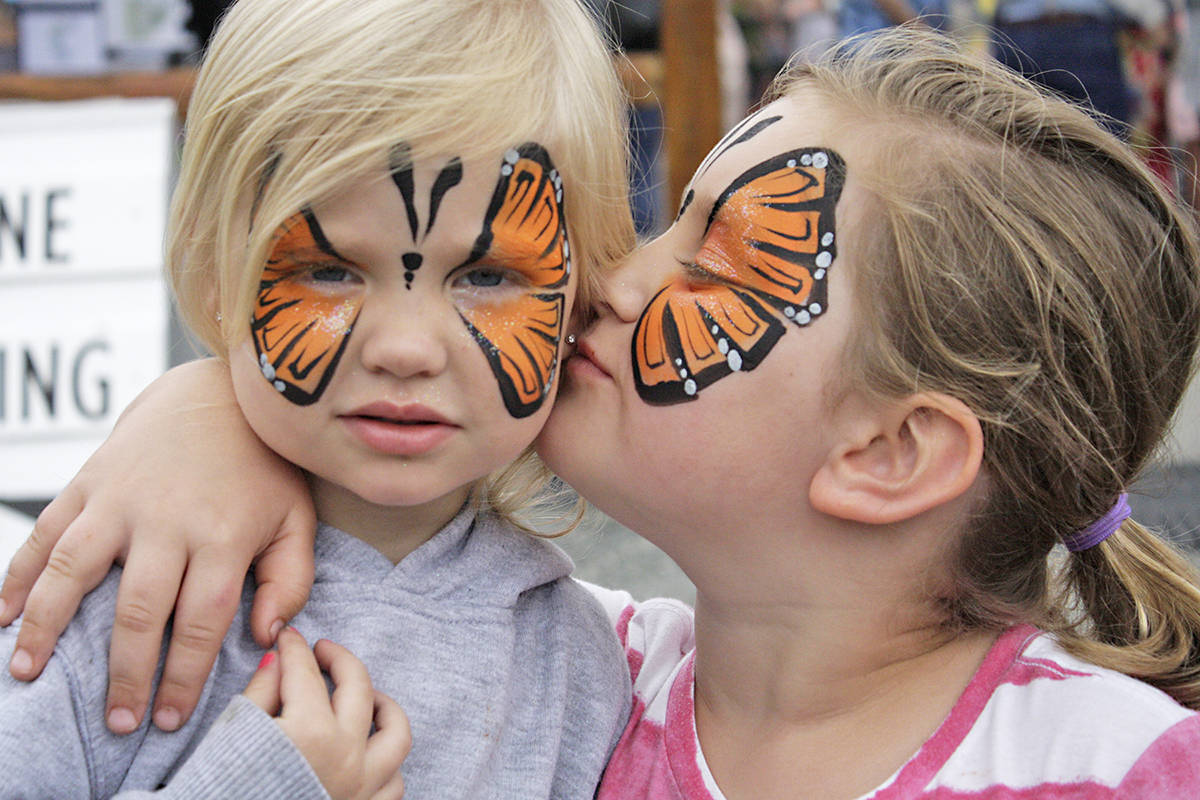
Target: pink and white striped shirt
(1034, 722)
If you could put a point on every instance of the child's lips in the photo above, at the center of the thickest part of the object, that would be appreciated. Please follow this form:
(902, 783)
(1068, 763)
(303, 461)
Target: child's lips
(410, 413)
(409, 430)
(585, 360)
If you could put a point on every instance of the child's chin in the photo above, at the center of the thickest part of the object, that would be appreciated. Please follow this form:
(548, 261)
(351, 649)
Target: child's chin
(399, 494)
(389, 497)
(384, 492)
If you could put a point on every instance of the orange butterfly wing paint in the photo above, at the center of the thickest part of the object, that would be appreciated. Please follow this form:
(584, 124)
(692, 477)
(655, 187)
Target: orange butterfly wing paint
(299, 334)
(768, 245)
(525, 225)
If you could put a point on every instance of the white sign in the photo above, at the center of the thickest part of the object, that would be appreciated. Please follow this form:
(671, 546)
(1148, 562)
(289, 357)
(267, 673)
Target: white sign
(14, 530)
(83, 305)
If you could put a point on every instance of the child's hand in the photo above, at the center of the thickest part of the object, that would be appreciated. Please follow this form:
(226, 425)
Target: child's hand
(163, 496)
(334, 733)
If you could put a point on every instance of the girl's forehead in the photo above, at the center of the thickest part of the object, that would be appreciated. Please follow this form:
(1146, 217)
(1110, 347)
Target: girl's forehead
(791, 122)
(464, 171)
(441, 206)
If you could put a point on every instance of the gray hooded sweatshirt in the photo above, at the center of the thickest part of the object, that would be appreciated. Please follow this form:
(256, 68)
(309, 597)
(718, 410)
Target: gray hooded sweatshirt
(509, 671)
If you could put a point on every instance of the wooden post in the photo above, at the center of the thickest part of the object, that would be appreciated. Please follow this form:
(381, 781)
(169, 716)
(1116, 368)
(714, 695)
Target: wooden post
(691, 88)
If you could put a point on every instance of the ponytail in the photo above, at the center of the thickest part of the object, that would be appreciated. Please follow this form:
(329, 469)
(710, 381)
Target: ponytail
(1138, 604)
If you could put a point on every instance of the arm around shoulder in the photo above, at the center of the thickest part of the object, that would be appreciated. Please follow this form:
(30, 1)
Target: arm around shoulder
(179, 440)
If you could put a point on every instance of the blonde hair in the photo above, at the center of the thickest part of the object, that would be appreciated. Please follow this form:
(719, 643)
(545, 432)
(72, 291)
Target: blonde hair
(296, 98)
(1025, 261)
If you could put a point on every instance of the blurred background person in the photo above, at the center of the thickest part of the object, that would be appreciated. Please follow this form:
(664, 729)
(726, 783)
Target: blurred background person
(1073, 48)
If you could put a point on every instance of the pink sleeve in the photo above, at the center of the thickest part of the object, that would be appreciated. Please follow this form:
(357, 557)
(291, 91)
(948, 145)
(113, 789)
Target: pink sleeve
(1170, 767)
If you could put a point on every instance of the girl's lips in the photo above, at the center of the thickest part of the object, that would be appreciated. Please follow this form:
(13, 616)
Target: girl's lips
(390, 412)
(410, 430)
(585, 360)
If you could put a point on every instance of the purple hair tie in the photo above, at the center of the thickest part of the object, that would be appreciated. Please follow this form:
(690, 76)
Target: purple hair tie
(1102, 528)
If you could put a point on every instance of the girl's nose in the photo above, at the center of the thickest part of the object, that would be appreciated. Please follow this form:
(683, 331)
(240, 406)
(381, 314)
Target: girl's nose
(629, 288)
(402, 339)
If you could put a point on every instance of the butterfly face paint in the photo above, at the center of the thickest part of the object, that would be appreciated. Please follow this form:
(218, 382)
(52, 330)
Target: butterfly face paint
(300, 331)
(401, 168)
(510, 291)
(524, 231)
(768, 244)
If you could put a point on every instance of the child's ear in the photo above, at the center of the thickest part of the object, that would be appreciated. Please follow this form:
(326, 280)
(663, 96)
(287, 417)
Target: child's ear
(900, 460)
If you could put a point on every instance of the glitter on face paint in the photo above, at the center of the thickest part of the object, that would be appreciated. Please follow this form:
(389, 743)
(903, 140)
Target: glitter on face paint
(761, 268)
(300, 331)
(524, 231)
(337, 321)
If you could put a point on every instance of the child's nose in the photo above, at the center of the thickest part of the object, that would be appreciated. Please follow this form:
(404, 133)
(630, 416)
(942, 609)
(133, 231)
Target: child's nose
(629, 288)
(402, 339)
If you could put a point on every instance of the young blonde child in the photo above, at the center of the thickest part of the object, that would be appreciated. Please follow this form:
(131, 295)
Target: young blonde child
(384, 211)
(880, 391)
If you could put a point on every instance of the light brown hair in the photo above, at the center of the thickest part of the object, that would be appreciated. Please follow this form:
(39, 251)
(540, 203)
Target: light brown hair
(1025, 261)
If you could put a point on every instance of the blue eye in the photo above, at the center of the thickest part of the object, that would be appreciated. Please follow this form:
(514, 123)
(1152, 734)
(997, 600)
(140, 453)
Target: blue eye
(484, 277)
(330, 274)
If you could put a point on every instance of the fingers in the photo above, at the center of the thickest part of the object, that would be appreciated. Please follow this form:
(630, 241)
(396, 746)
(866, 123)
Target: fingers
(263, 689)
(357, 705)
(393, 789)
(206, 607)
(334, 732)
(77, 563)
(27, 563)
(284, 572)
(149, 585)
(302, 688)
(353, 695)
(387, 748)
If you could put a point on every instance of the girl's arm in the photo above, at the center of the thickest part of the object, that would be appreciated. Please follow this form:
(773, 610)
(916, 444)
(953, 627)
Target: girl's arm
(185, 495)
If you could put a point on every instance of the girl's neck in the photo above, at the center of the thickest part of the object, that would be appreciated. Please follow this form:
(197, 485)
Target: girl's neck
(395, 531)
(827, 696)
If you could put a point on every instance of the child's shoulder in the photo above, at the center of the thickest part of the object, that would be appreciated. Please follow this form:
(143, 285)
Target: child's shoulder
(85, 642)
(660, 623)
(1036, 715)
(1080, 694)
(657, 635)
(80, 658)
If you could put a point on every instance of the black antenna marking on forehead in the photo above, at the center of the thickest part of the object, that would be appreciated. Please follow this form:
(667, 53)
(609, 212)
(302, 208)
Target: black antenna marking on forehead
(401, 167)
(687, 201)
(742, 134)
(447, 179)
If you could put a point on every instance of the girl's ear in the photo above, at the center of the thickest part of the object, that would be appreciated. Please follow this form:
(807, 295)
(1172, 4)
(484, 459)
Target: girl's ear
(900, 460)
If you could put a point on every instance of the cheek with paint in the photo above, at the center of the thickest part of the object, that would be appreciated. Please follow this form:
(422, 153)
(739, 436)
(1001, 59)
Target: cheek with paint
(768, 245)
(524, 231)
(300, 332)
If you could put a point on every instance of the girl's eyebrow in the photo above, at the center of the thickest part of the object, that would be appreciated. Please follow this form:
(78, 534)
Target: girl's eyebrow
(687, 201)
(744, 131)
(319, 235)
